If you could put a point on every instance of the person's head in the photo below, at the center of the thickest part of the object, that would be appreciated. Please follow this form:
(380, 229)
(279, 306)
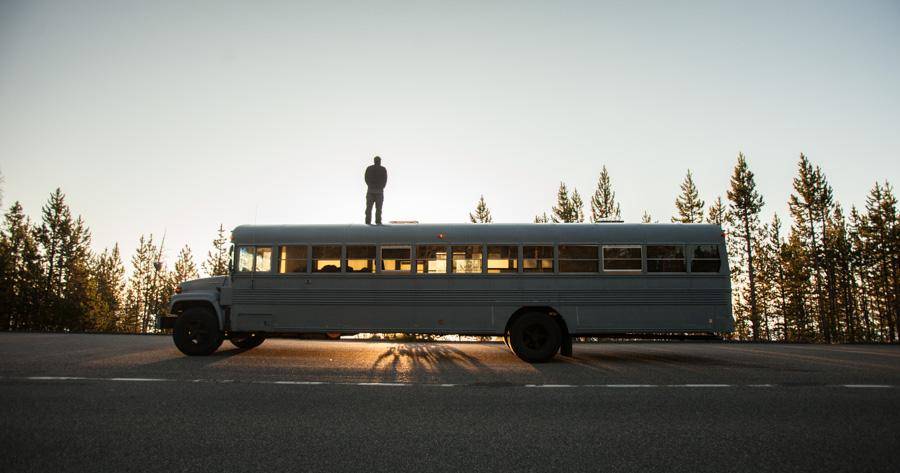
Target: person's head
(377, 159)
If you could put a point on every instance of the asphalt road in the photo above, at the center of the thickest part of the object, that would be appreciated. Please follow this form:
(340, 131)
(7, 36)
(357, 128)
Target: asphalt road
(112, 403)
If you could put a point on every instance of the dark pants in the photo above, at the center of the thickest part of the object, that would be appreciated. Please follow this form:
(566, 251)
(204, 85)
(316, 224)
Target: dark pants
(377, 199)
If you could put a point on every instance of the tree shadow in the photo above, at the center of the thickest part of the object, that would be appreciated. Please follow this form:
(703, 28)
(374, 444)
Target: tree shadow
(425, 361)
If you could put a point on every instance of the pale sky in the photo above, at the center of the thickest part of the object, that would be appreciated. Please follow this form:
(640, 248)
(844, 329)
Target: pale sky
(175, 116)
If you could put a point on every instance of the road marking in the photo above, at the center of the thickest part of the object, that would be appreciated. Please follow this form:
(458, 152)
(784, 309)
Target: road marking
(627, 385)
(379, 384)
(302, 383)
(55, 378)
(446, 385)
(699, 385)
(142, 380)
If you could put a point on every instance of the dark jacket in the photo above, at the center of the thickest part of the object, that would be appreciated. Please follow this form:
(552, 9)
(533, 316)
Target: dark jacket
(376, 178)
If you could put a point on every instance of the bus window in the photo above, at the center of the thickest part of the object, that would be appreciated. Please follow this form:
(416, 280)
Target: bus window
(360, 259)
(263, 259)
(245, 259)
(292, 259)
(665, 259)
(622, 258)
(466, 259)
(395, 259)
(502, 259)
(578, 259)
(326, 259)
(431, 259)
(537, 259)
(706, 259)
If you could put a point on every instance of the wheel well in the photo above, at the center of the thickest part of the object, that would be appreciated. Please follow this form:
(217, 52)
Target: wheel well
(553, 313)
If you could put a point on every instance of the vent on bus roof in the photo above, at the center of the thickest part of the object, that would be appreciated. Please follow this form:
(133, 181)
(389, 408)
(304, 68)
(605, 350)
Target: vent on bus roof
(403, 222)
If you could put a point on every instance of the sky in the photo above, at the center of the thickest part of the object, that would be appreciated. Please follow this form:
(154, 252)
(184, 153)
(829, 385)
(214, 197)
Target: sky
(173, 117)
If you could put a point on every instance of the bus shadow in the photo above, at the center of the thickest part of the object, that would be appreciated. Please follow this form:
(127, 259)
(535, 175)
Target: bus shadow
(417, 360)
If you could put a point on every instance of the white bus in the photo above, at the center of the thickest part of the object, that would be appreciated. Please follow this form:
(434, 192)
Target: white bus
(535, 285)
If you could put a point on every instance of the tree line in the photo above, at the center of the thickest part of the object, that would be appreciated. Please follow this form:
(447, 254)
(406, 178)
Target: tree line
(51, 280)
(827, 275)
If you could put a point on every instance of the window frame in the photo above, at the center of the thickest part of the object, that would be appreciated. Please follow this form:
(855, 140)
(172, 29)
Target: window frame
(308, 258)
(311, 264)
(379, 260)
(486, 270)
(555, 269)
(415, 260)
(451, 263)
(684, 258)
(598, 260)
(237, 258)
(345, 257)
(643, 258)
(689, 256)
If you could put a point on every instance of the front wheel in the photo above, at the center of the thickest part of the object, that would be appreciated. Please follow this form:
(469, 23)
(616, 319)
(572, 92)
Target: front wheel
(197, 332)
(246, 341)
(535, 337)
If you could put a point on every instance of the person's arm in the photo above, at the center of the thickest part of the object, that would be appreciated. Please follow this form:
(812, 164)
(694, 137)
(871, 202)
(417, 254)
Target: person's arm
(385, 178)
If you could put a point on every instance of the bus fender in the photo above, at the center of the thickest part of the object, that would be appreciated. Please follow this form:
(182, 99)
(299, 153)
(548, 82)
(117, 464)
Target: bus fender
(207, 299)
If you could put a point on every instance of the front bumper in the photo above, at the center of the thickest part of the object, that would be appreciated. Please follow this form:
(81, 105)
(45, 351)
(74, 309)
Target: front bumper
(165, 321)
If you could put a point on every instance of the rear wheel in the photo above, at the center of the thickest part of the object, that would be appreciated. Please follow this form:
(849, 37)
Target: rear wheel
(247, 341)
(197, 332)
(535, 337)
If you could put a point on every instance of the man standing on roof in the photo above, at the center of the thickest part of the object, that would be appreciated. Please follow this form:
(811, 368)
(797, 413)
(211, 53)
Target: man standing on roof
(376, 178)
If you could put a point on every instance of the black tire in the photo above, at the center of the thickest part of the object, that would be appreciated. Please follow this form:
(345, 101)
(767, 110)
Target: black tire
(535, 337)
(246, 341)
(197, 332)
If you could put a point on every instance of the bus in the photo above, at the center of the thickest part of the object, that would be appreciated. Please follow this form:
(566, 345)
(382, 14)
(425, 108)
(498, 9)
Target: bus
(535, 285)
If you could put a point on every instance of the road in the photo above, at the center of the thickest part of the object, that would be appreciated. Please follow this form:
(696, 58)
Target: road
(117, 402)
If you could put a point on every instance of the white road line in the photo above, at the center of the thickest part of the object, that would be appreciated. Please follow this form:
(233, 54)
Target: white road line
(627, 385)
(441, 385)
(699, 385)
(379, 384)
(303, 383)
(136, 379)
(55, 378)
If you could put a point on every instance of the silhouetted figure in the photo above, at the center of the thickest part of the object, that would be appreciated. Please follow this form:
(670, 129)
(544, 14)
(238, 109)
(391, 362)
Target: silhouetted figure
(376, 178)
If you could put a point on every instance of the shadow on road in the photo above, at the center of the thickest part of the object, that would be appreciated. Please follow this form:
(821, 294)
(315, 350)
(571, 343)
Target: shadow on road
(415, 360)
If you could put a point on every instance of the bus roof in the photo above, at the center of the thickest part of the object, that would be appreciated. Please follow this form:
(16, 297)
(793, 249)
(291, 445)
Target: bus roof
(480, 233)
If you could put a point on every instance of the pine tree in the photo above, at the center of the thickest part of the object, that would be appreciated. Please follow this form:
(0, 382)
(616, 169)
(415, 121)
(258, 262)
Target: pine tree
(21, 275)
(688, 203)
(567, 209)
(810, 206)
(108, 286)
(144, 294)
(717, 212)
(577, 206)
(603, 203)
(543, 218)
(65, 251)
(216, 263)
(562, 212)
(645, 217)
(746, 203)
(880, 233)
(482, 213)
(184, 269)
